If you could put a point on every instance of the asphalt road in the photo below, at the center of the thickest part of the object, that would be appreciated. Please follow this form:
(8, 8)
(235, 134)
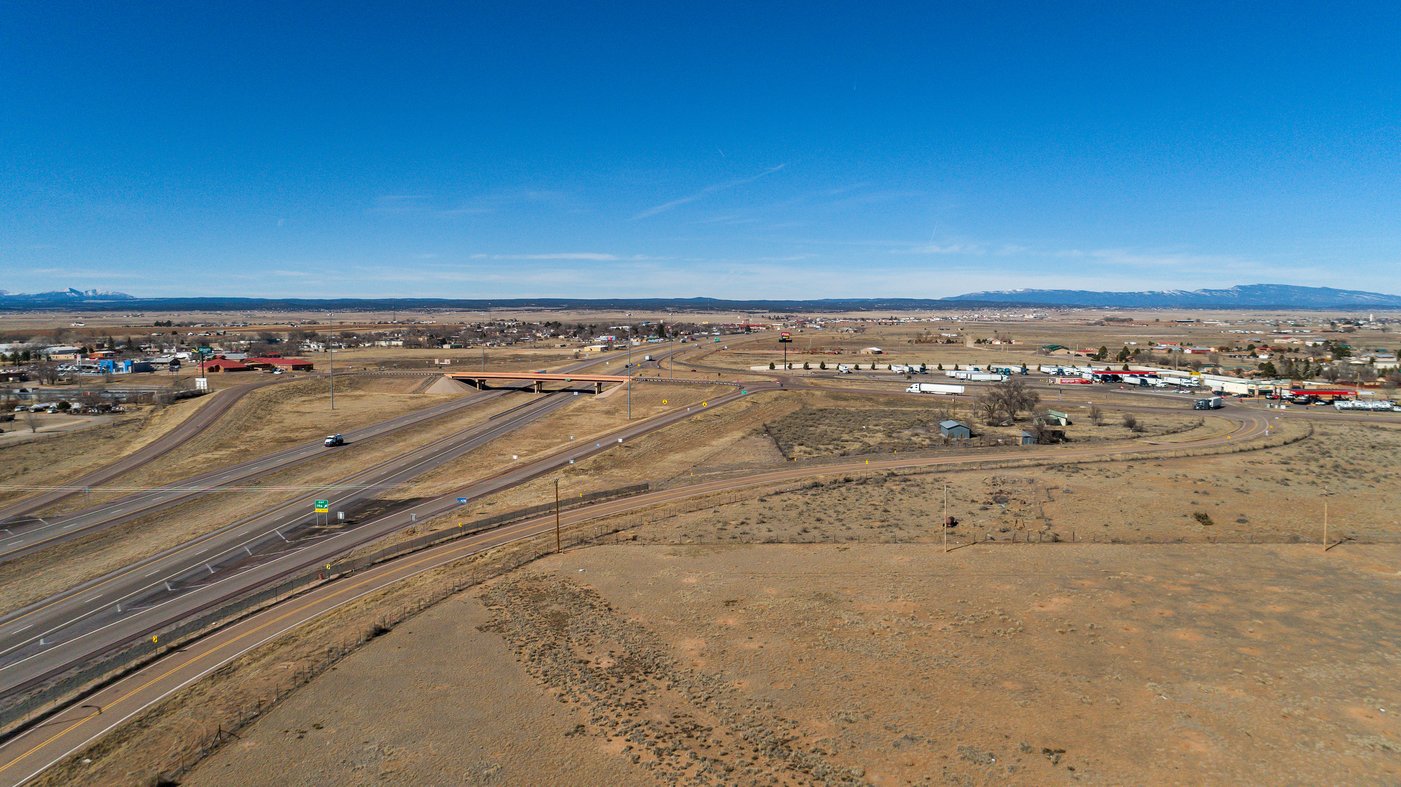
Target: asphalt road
(89, 619)
(75, 627)
(37, 748)
(32, 534)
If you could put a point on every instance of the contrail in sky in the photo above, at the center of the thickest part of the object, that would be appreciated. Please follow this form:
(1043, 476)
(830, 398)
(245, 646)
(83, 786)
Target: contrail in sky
(707, 191)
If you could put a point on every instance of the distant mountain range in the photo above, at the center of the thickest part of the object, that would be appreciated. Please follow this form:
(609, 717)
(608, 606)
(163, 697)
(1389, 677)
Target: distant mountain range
(59, 298)
(1246, 296)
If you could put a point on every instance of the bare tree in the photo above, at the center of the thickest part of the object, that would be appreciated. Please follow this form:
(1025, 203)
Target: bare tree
(1017, 397)
(46, 371)
(988, 406)
(1096, 415)
(1003, 403)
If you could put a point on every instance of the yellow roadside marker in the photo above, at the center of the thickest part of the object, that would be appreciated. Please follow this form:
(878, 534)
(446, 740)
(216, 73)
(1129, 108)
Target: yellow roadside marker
(154, 639)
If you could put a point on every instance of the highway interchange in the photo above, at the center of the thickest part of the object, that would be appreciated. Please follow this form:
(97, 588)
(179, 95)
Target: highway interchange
(73, 627)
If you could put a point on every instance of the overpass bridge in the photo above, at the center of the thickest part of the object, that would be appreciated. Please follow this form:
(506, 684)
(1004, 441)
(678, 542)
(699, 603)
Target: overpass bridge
(537, 380)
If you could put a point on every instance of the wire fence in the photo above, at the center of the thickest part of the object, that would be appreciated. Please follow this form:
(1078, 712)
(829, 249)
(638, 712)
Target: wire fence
(58, 691)
(428, 539)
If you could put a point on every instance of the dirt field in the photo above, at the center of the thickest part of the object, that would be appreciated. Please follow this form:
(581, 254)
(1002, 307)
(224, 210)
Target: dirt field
(878, 664)
(862, 425)
(1255, 496)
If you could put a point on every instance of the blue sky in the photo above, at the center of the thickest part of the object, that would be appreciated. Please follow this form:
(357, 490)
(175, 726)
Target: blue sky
(782, 150)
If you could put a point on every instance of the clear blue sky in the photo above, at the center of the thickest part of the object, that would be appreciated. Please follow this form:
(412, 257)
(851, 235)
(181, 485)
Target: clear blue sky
(725, 149)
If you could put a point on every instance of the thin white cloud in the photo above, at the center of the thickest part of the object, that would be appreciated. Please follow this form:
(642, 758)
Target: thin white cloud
(705, 192)
(944, 248)
(561, 255)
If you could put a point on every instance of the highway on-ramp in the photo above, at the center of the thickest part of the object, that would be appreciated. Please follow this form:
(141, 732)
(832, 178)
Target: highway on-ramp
(208, 413)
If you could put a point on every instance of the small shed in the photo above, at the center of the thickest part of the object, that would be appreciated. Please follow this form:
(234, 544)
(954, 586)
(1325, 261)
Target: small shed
(954, 429)
(1028, 438)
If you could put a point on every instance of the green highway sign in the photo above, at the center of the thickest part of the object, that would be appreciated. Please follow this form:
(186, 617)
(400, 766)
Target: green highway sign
(323, 506)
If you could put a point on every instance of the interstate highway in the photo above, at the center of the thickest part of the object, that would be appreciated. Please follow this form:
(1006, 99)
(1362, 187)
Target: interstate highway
(38, 747)
(35, 534)
(81, 624)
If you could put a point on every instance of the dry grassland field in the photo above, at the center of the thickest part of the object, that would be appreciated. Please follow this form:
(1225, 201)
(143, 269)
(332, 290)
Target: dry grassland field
(693, 654)
(868, 664)
(1259, 496)
(56, 459)
(1098, 619)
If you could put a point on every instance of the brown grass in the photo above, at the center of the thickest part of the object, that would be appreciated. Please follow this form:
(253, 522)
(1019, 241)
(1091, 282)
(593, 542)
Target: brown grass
(55, 460)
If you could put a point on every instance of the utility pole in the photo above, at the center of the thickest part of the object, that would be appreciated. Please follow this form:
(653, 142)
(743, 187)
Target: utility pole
(945, 522)
(557, 541)
(1325, 519)
(629, 370)
(331, 364)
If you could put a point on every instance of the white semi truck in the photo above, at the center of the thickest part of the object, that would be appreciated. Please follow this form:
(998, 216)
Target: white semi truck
(935, 388)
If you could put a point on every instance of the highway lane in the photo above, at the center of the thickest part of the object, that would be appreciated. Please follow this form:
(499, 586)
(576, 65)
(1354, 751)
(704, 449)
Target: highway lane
(203, 418)
(36, 535)
(30, 752)
(143, 502)
(81, 624)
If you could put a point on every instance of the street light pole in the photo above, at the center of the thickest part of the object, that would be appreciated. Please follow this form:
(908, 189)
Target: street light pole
(557, 541)
(629, 370)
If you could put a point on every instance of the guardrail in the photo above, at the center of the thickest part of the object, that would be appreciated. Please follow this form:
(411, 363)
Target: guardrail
(63, 689)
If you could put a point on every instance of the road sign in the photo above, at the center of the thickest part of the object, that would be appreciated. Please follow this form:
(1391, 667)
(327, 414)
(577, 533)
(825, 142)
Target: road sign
(785, 336)
(323, 506)
(462, 500)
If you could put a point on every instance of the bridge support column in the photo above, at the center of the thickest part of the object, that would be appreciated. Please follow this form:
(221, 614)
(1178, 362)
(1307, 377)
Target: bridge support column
(598, 388)
(538, 386)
